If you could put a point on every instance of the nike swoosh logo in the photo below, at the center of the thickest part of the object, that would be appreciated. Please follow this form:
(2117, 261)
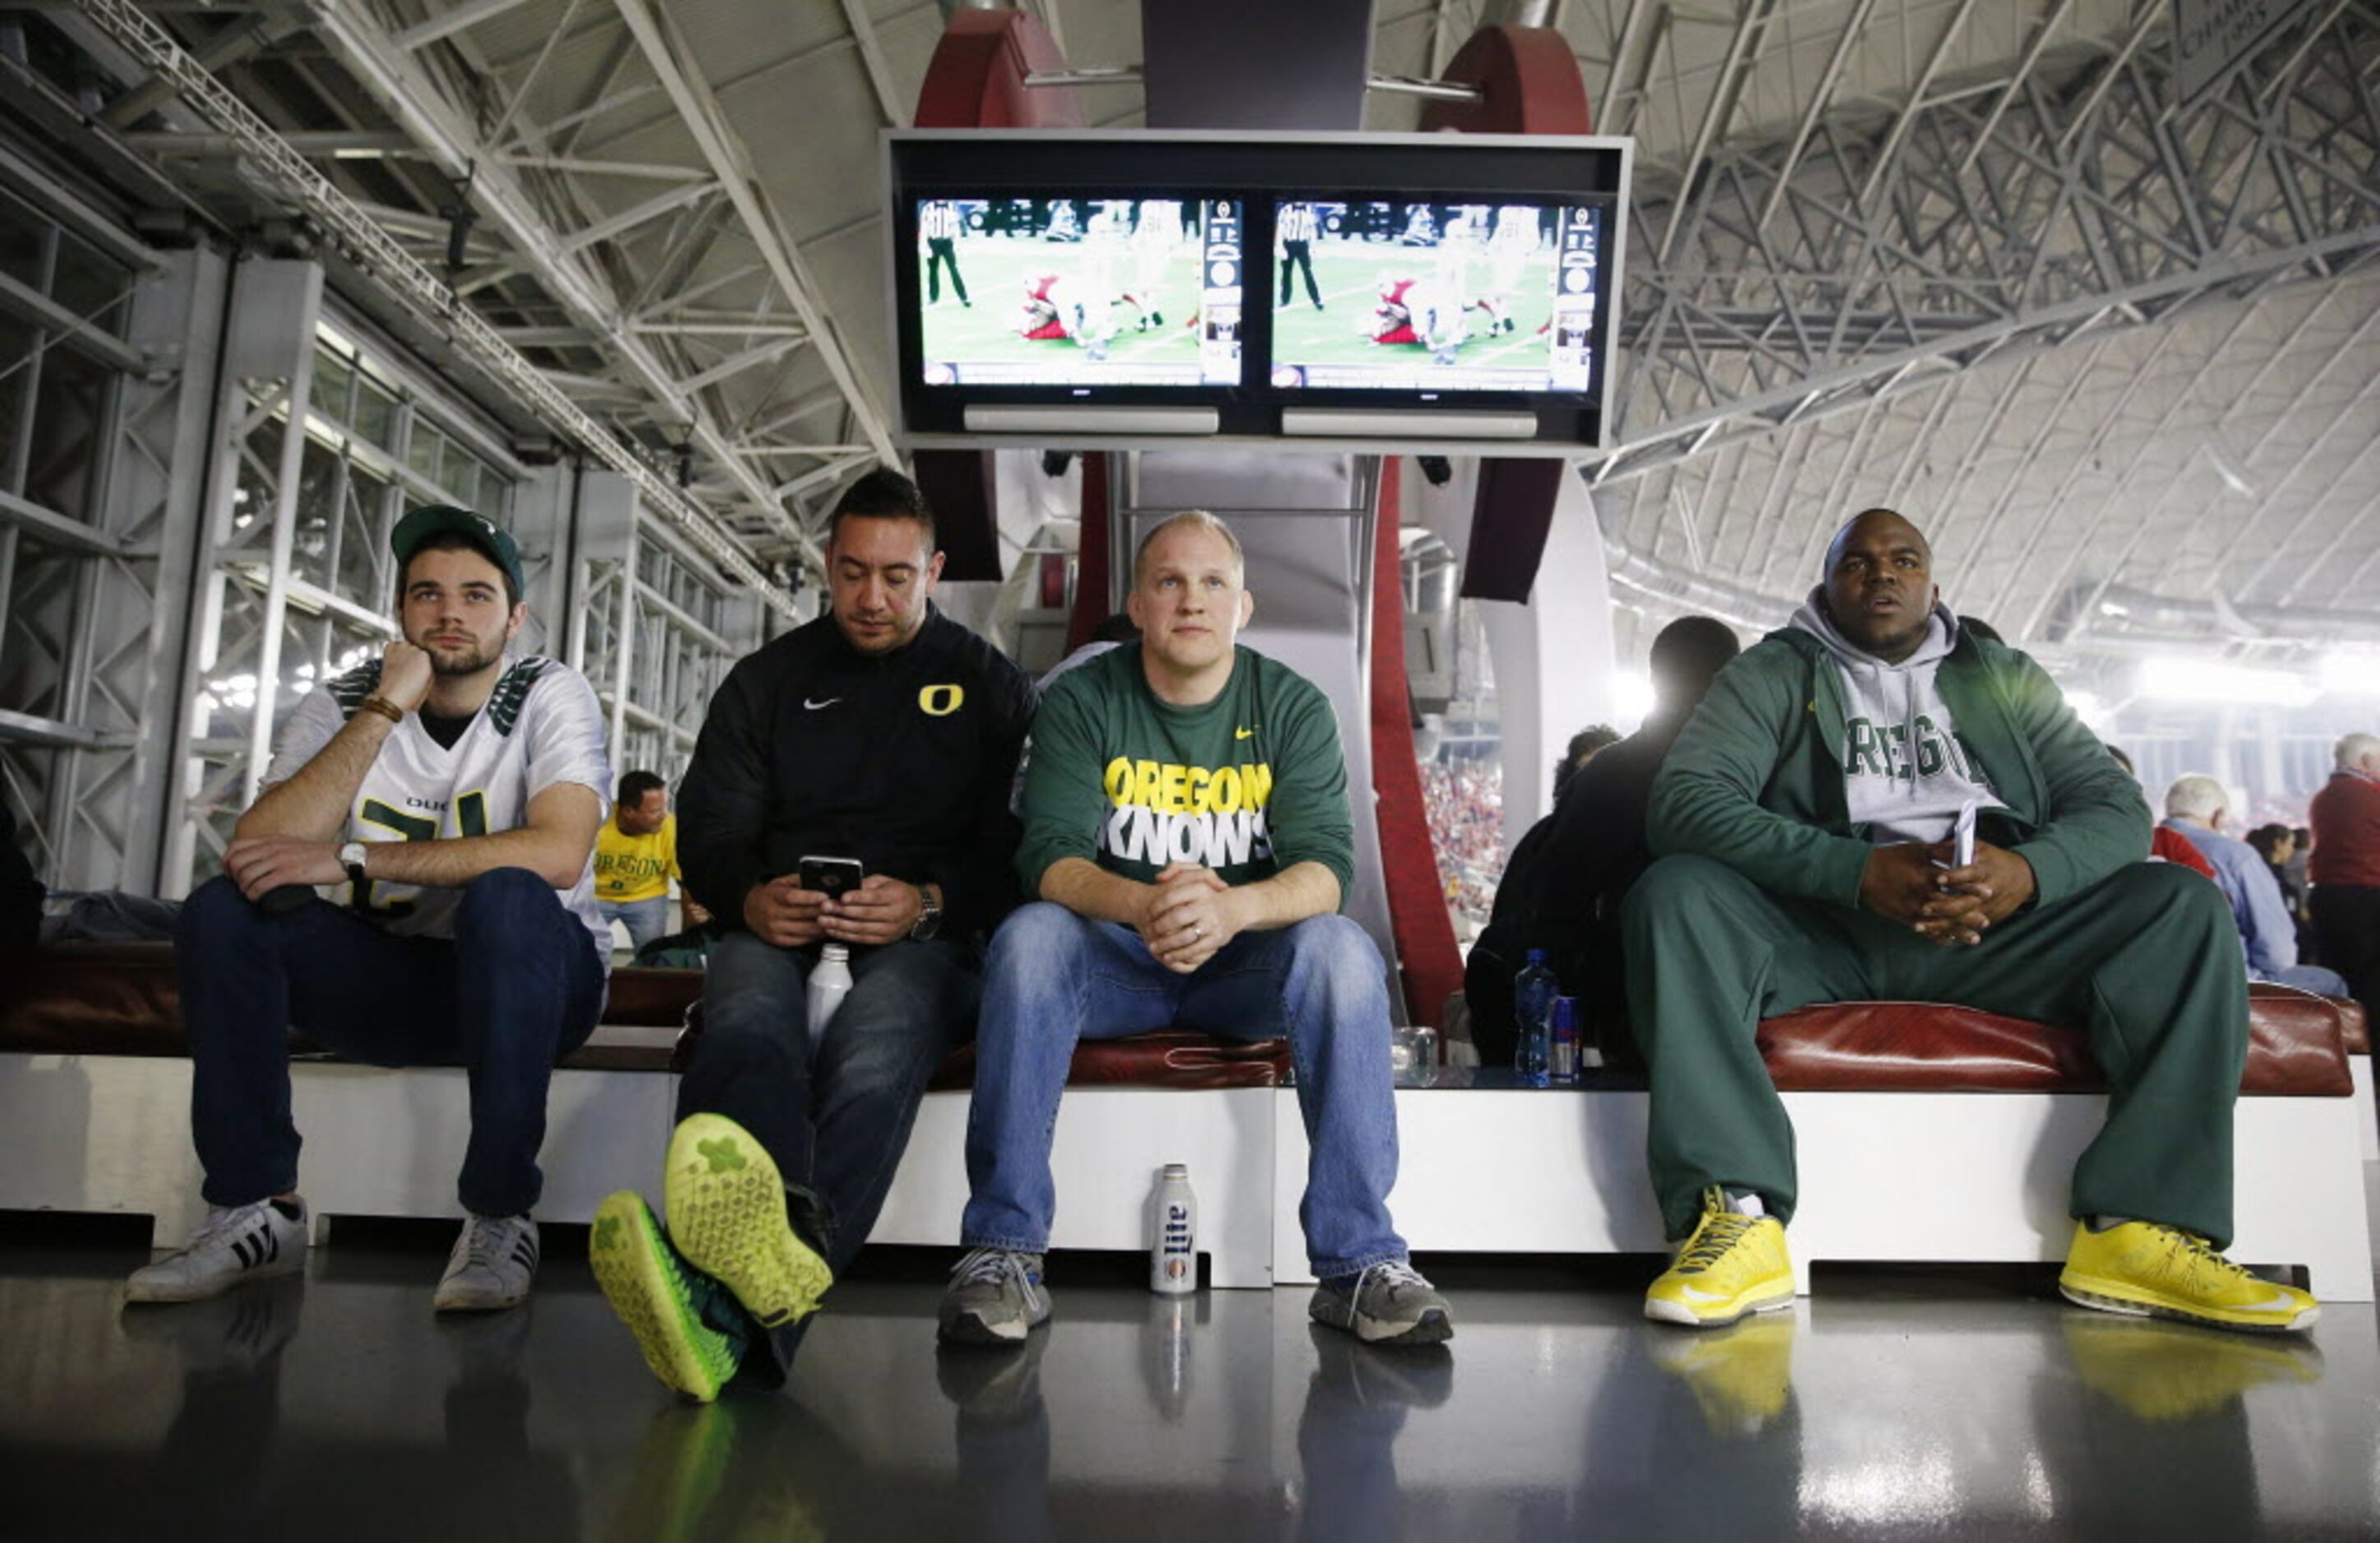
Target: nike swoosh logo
(1243, 734)
(1691, 1295)
(815, 706)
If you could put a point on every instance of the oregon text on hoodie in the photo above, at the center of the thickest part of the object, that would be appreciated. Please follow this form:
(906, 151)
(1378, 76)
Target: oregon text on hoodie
(1905, 769)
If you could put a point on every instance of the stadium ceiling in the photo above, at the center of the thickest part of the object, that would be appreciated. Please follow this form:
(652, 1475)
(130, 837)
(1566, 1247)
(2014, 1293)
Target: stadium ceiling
(2118, 356)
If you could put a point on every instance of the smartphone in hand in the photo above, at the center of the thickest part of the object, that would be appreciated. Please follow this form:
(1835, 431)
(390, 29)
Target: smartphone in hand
(832, 876)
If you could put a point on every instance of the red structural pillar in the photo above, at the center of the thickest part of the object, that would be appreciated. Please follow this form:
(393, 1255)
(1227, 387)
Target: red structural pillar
(1427, 954)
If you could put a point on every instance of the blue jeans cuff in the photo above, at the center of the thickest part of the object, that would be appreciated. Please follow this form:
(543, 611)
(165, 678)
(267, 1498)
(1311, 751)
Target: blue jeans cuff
(1005, 1245)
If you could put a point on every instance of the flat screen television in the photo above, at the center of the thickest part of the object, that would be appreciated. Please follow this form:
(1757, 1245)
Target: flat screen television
(1403, 297)
(1346, 291)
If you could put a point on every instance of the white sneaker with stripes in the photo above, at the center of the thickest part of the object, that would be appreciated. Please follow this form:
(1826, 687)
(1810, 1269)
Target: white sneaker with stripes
(234, 1243)
(493, 1265)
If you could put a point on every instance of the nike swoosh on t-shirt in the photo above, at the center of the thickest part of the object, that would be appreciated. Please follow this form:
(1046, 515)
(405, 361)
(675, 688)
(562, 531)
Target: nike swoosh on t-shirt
(815, 706)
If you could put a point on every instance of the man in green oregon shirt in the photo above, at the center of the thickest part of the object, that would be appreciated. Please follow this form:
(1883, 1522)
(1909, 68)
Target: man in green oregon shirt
(1187, 829)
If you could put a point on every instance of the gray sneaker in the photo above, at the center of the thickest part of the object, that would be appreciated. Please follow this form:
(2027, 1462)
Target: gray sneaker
(994, 1297)
(1389, 1304)
(492, 1265)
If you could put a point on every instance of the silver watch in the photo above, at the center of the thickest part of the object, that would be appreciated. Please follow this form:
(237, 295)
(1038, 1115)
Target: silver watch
(351, 857)
(930, 914)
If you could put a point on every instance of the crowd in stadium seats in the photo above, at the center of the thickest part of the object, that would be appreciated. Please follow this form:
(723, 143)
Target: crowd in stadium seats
(1464, 801)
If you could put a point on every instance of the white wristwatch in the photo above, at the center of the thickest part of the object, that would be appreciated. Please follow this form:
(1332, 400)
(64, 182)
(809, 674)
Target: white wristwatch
(351, 857)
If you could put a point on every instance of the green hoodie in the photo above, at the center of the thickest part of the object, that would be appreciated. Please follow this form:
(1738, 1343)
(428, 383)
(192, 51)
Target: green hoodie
(1755, 780)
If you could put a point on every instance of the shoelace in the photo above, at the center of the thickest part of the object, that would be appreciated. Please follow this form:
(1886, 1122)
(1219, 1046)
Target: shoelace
(1720, 1231)
(2191, 1247)
(1392, 1273)
(987, 1267)
(487, 1242)
(220, 1223)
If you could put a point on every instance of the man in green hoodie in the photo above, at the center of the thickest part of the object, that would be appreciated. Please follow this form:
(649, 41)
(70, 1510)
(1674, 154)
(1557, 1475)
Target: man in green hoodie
(1803, 822)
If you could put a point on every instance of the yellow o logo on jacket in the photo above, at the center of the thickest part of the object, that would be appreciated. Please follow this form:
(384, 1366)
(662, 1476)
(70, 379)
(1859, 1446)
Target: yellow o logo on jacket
(940, 701)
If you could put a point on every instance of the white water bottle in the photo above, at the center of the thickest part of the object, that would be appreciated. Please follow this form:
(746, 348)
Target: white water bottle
(829, 983)
(1173, 1231)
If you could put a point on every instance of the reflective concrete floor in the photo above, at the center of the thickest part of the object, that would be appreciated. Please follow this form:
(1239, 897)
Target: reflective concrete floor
(1890, 1404)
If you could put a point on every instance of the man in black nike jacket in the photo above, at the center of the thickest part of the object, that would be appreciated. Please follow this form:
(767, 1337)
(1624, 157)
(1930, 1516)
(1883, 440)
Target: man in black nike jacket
(882, 732)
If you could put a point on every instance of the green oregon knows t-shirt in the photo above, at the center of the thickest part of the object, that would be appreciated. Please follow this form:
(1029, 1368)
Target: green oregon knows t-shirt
(1247, 784)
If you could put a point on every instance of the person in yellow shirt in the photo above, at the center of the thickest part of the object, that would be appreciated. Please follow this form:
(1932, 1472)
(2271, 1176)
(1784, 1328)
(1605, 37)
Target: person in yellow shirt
(636, 858)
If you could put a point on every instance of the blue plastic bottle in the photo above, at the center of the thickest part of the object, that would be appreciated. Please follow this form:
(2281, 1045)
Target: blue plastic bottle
(1534, 989)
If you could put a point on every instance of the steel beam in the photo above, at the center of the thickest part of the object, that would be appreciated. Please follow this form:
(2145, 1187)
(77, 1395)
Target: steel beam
(731, 165)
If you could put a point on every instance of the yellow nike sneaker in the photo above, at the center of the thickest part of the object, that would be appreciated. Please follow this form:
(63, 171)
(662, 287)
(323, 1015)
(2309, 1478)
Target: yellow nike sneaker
(1732, 1265)
(2149, 1270)
(727, 1208)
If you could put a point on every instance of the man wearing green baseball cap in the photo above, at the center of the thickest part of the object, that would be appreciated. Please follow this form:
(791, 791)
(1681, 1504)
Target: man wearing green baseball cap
(448, 793)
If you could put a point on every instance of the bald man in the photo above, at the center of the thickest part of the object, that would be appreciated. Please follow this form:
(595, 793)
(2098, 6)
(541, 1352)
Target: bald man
(1802, 823)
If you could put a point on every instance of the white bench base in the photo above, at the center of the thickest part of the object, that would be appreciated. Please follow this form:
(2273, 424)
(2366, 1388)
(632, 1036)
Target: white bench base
(2360, 1067)
(1967, 1177)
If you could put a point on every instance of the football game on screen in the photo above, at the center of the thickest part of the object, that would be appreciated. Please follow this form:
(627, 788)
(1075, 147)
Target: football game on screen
(1433, 296)
(1089, 292)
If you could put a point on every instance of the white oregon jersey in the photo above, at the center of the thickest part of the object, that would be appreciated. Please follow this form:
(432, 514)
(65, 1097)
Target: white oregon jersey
(540, 726)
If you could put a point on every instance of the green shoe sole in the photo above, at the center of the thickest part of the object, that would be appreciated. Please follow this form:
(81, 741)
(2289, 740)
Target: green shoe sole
(726, 1206)
(645, 1288)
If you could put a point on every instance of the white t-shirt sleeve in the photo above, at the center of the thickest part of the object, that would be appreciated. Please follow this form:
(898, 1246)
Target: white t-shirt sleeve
(314, 724)
(563, 725)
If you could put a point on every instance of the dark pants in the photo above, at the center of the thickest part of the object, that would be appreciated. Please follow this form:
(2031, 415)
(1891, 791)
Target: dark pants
(2147, 960)
(833, 1109)
(519, 987)
(1295, 255)
(2346, 937)
(938, 253)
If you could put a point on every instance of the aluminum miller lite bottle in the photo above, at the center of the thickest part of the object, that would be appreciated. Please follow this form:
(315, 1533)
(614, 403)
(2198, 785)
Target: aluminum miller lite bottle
(1173, 1247)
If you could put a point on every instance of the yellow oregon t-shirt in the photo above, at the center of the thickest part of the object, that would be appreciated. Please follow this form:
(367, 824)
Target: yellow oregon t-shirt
(635, 867)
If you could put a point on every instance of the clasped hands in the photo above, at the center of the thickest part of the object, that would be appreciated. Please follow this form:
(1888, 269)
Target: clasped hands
(881, 910)
(1187, 914)
(1909, 883)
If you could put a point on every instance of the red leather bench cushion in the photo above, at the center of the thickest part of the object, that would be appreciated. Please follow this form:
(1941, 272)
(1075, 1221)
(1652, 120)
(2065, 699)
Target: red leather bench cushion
(120, 999)
(123, 999)
(2294, 1049)
(2354, 1026)
(1169, 1058)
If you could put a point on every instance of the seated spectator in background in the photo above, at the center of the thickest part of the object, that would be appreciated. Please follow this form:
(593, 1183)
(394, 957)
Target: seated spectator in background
(1188, 830)
(1802, 820)
(20, 892)
(1585, 745)
(2278, 844)
(2195, 806)
(882, 731)
(1111, 633)
(1563, 889)
(2344, 867)
(454, 787)
(2165, 846)
(636, 858)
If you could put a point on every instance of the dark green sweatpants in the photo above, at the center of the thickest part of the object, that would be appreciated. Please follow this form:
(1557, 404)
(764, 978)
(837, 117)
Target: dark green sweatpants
(2147, 960)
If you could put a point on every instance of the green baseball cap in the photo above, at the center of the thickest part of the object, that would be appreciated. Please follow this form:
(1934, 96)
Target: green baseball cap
(438, 519)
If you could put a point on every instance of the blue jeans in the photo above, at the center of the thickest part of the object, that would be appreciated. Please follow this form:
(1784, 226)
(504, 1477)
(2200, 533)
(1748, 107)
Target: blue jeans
(1055, 978)
(518, 988)
(834, 1110)
(646, 919)
(2322, 982)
